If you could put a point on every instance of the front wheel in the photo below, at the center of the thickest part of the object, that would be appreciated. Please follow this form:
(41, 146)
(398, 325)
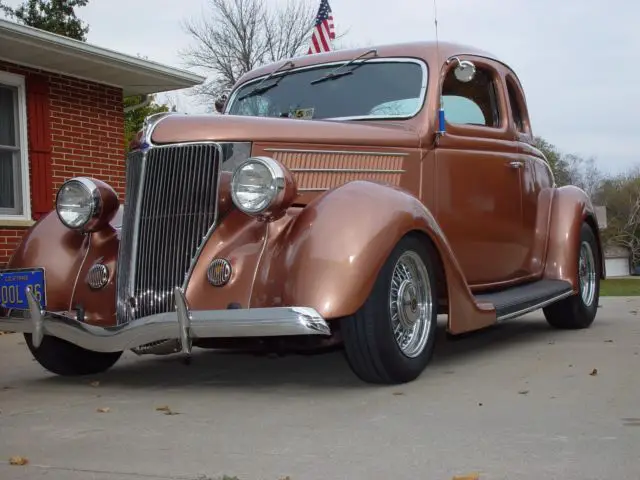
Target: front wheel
(579, 311)
(67, 359)
(391, 338)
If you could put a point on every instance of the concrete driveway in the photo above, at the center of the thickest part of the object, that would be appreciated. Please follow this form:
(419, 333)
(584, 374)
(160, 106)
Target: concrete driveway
(514, 402)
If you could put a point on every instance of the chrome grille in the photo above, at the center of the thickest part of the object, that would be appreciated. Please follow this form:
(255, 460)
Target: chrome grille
(169, 209)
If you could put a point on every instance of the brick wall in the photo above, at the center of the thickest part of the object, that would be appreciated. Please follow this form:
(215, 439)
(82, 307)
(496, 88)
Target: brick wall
(87, 137)
(9, 239)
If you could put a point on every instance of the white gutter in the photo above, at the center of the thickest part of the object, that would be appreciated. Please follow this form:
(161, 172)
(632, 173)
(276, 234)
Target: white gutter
(30, 35)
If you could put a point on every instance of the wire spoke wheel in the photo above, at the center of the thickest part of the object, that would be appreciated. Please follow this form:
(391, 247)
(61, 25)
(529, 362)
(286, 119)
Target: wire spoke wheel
(587, 273)
(390, 339)
(410, 304)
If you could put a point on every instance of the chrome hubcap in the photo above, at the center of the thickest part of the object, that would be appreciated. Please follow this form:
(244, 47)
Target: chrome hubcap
(587, 274)
(410, 304)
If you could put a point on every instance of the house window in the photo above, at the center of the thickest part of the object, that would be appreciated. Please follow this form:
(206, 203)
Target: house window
(14, 171)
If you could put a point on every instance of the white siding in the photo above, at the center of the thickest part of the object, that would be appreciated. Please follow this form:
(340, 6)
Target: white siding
(617, 267)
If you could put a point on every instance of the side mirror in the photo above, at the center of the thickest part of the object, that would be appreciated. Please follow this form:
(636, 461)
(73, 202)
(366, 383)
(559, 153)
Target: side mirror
(220, 102)
(465, 71)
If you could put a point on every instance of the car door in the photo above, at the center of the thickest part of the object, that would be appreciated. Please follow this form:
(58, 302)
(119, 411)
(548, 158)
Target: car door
(478, 178)
(537, 180)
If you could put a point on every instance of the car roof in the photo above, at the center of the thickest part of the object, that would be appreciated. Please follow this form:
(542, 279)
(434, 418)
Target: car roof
(429, 51)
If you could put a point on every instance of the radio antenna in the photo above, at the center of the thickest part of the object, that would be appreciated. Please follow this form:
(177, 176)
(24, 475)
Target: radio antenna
(441, 128)
(435, 17)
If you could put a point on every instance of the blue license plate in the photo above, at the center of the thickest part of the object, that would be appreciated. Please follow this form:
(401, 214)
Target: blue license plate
(13, 285)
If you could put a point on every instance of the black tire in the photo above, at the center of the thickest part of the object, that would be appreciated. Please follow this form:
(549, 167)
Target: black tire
(370, 345)
(574, 312)
(66, 359)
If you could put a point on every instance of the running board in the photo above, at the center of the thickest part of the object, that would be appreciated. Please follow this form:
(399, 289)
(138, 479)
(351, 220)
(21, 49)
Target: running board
(516, 301)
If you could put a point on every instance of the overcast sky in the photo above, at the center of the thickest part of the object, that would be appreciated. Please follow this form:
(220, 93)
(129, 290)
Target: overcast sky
(577, 59)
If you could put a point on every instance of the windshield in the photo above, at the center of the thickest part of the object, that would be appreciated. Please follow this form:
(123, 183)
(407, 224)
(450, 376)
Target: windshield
(375, 89)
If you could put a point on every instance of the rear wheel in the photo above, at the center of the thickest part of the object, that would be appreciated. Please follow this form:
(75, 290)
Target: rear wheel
(391, 338)
(67, 359)
(579, 311)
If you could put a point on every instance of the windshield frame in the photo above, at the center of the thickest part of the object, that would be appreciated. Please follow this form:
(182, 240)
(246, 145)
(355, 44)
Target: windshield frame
(292, 71)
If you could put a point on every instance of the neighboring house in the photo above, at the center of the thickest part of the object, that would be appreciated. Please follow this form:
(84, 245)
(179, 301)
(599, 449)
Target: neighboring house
(62, 115)
(617, 260)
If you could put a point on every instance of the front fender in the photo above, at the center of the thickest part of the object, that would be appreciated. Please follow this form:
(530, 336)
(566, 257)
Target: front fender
(570, 209)
(60, 251)
(329, 256)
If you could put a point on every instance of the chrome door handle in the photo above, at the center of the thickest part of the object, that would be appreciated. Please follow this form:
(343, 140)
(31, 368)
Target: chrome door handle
(516, 164)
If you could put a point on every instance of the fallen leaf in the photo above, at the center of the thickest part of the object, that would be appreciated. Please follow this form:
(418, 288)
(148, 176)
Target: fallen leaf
(571, 365)
(103, 410)
(8, 387)
(18, 460)
(594, 372)
(608, 341)
(523, 392)
(166, 410)
(468, 476)
(95, 384)
(552, 342)
(398, 393)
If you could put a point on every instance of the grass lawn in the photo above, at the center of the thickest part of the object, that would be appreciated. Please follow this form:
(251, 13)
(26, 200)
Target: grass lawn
(620, 287)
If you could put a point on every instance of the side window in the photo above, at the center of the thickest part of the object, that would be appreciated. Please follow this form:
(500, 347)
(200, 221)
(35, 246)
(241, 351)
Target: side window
(516, 106)
(473, 103)
(462, 110)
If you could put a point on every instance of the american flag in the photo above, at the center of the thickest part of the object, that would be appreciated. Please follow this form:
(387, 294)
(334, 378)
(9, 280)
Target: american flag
(324, 30)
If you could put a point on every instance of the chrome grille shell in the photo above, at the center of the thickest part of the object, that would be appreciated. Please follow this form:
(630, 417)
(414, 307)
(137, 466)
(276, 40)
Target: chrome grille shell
(170, 211)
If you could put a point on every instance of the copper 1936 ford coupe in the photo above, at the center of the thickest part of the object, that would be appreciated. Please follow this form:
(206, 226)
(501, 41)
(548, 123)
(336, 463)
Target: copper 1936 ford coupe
(344, 199)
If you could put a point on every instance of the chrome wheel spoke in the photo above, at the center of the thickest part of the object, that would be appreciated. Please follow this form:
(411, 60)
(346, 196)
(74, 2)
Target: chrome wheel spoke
(410, 304)
(587, 274)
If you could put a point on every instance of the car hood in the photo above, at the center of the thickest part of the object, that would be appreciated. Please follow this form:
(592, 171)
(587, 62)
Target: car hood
(226, 128)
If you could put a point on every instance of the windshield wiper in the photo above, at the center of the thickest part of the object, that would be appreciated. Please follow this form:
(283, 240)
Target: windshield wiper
(338, 73)
(261, 87)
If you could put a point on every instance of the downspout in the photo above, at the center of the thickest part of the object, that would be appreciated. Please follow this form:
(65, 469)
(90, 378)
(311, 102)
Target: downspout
(144, 103)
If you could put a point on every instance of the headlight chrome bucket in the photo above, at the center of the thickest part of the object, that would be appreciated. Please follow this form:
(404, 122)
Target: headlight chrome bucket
(262, 187)
(86, 204)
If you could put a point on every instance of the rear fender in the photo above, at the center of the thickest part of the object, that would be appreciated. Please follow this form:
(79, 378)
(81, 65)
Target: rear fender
(328, 257)
(570, 209)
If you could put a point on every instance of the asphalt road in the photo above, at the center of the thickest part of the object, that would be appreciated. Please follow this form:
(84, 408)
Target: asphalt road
(514, 402)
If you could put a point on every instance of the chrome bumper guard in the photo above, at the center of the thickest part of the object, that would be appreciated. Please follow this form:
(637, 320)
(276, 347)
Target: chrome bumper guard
(183, 324)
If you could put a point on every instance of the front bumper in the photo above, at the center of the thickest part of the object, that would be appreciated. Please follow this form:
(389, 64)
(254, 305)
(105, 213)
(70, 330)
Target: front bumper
(183, 325)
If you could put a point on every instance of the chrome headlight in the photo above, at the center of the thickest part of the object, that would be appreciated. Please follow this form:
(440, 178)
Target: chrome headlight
(256, 184)
(77, 202)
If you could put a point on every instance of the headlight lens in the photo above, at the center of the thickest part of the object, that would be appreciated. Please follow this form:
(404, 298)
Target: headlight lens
(77, 202)
(254, 186)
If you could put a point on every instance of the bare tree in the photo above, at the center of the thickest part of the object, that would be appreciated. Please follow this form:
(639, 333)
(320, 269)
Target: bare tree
(571, 169)
(240, 35)
(621, 196)
(583, 172)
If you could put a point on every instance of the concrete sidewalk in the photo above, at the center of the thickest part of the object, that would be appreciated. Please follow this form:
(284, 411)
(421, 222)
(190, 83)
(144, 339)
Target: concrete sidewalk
(514, 402)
